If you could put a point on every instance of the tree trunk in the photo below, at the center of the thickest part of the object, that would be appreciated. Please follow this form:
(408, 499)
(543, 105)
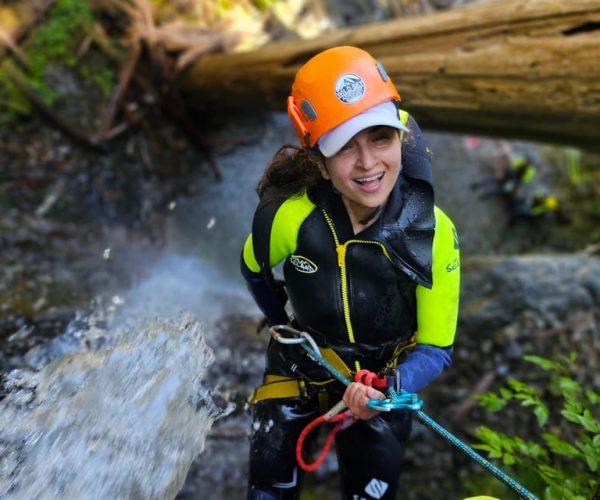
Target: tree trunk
(512, 68)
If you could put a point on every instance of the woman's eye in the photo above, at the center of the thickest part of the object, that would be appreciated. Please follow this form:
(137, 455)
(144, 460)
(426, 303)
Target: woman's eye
(382, 137)
(345, 147)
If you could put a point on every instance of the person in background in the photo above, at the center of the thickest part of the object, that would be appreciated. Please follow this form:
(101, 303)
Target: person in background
(514, 180)
(536, 203)
(522, 169)
(371, 268)
(512, 174)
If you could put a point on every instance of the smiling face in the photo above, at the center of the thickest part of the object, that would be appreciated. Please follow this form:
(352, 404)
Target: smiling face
(365, 170)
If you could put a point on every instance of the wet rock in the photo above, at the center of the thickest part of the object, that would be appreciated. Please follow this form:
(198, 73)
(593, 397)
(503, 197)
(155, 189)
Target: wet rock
(496, 291)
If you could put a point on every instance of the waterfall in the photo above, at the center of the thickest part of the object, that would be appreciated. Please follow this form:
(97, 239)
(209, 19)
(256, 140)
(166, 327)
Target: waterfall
(117, 405)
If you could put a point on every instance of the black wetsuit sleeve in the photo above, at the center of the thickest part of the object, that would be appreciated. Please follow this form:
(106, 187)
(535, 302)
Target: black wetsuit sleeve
(270, 296)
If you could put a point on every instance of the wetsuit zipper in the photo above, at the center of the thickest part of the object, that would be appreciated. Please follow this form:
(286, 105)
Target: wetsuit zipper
(341, 256)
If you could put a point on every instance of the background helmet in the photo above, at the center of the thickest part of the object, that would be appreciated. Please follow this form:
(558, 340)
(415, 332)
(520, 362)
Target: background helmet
(334, 86)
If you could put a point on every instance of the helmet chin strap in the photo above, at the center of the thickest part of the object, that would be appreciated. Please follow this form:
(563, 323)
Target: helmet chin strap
(369, 217)
(372, 215)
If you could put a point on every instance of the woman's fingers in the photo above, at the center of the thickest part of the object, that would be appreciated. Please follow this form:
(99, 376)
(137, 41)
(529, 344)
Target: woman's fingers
(357, 397)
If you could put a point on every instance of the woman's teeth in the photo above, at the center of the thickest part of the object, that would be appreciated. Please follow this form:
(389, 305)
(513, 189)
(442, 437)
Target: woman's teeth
(372, 178)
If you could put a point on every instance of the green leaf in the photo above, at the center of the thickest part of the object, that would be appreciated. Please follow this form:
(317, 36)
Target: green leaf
(521, 387)
(591, 453)
(491, 402)
(532, 450)
(544, 363)
(561, 447)
(569, 385)
(586, 420)
(573, 407)
(541, 413)
(589, 423)
(571, 416)
(550, 472)
(592, 396)
(592, 461)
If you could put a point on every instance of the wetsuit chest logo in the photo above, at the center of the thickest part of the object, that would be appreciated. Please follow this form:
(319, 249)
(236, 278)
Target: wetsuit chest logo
(303, 264)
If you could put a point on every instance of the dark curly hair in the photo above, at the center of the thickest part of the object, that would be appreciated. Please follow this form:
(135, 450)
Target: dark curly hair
(291, 171)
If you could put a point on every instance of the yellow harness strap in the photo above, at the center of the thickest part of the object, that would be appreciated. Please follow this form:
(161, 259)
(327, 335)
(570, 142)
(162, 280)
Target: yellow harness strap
(282, 387)
(278, 387)
(338, 363)
(399, 349)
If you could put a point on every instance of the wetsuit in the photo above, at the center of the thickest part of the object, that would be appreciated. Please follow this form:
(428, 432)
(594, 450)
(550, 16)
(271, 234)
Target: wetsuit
(363, 296)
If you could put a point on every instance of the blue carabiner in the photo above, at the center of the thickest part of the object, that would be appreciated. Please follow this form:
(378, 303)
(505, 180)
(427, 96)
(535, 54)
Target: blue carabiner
(381, 404)
(402, 401)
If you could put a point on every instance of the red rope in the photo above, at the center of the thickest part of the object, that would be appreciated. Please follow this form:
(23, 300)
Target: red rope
(343, 420)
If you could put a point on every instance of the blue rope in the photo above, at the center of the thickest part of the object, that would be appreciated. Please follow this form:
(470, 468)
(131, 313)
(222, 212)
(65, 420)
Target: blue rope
(411, 401)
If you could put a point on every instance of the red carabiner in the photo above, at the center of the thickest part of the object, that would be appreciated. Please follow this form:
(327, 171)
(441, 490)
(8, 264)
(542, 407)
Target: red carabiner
(371, 379)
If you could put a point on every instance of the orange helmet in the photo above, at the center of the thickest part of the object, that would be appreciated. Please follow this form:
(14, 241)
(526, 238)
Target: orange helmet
(334, 86)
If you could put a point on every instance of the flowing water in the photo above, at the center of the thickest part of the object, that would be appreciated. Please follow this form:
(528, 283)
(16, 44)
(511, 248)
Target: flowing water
(117, 406)
(120, 422)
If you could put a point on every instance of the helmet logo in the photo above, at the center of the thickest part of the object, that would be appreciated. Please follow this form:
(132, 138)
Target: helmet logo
(350, 88)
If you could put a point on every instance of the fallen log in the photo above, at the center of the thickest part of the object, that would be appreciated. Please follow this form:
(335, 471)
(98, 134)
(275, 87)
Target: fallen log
(508, 68)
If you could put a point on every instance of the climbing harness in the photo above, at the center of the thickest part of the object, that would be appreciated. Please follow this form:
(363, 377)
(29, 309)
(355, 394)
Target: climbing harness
(402, 401)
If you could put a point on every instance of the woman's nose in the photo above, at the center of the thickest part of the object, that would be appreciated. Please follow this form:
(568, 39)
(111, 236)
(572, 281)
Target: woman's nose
(366, 157)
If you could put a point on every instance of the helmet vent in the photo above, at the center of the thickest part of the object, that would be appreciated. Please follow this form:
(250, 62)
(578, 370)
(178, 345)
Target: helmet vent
(308, 110)
(382, 72)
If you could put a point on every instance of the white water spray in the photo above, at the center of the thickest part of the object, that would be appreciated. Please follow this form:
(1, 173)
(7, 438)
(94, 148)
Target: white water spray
(116, 406)
(122, 422)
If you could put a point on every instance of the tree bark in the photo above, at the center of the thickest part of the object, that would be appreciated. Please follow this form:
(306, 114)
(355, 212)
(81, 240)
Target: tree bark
(509, 68)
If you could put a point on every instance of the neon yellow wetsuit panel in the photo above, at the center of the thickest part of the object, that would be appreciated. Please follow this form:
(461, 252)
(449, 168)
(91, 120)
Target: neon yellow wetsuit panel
(284, 232)
(437, 308)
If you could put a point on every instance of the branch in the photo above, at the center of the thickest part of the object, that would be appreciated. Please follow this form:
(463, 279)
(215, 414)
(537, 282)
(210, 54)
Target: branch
(125, 75)
(20, 81)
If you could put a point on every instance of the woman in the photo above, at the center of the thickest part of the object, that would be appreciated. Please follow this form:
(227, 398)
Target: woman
(370, 267)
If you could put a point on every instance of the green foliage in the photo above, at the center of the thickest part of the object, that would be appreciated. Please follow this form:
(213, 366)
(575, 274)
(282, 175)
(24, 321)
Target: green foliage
(56, 40)
(566, 457)
(263, 4)
(12, 101)
(101, 75)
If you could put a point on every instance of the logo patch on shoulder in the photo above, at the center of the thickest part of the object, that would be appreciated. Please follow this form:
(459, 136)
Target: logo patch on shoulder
(350, 88)
(453, 265)
(303, 264)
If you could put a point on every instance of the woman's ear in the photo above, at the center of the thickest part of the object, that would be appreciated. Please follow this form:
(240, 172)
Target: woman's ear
(323, 170)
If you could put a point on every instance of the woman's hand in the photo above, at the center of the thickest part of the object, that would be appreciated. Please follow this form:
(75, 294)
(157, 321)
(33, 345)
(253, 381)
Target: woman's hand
(357, 397)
